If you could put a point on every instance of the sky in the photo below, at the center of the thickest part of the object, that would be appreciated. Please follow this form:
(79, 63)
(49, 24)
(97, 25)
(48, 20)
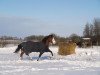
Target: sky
(23, 18)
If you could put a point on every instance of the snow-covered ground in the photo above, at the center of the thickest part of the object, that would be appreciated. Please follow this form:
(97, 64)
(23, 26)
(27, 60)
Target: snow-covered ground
(86, 61)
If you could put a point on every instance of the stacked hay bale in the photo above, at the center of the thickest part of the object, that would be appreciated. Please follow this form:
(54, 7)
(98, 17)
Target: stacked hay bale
(66, 48)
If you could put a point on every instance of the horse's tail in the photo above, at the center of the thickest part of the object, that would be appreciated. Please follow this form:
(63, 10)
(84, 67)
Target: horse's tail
(18, 48)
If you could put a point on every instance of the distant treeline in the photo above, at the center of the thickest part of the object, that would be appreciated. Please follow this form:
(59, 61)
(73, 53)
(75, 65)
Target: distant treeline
(9, 38)
(73, 37)
(5, 40)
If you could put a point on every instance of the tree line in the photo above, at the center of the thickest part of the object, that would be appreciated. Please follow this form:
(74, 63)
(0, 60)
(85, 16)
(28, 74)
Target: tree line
(93, 31)
(5, 40)
(73, 37)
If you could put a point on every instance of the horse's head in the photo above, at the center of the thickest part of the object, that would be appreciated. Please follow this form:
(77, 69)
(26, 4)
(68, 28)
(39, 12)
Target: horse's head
(49, 40)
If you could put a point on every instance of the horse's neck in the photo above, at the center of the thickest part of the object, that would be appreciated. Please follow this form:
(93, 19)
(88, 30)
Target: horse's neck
(46, 43)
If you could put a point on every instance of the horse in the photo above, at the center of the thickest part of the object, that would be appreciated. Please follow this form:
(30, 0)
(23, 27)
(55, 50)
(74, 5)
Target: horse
(41, 46)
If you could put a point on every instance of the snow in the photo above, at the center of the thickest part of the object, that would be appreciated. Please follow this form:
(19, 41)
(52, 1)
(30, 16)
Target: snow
(86, 61)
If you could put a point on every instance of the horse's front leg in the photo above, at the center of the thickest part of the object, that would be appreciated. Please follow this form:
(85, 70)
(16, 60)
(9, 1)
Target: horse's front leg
(50, 52)
(21, 55)
(40, 55)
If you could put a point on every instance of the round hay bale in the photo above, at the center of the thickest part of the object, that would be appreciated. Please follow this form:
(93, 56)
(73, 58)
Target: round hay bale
(66, 48)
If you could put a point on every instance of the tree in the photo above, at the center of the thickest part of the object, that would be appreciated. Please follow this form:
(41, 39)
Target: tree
(91, 30)
(97, 30)
(75, 38)
(86, 32)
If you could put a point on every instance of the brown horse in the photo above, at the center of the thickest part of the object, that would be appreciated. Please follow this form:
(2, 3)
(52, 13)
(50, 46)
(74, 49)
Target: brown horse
(42, 46)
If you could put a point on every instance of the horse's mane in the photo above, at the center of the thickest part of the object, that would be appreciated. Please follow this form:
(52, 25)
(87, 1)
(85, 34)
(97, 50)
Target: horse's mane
(46, 37)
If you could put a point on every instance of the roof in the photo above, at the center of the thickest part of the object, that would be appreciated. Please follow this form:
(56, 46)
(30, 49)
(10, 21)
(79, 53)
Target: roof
(86, 38)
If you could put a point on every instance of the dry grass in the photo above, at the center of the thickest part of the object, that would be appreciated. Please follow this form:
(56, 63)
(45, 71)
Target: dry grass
(66, 48)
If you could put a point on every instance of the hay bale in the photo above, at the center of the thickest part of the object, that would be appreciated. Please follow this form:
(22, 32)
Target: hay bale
(66, 48)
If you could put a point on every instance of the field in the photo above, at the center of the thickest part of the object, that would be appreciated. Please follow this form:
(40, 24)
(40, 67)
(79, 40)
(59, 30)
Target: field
(86, 61)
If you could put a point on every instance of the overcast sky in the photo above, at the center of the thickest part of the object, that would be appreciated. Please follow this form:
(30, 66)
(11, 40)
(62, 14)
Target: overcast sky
(41, 17)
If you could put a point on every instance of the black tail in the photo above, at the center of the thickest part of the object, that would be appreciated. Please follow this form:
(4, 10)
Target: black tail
(18, 48)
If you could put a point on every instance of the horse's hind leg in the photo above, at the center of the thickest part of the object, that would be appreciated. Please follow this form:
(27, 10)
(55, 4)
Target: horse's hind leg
(21, 55)
(40, 55)
(29, 56)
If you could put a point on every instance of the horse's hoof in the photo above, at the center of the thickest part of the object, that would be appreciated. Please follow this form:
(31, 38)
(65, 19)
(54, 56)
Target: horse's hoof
(21, 58)
(15, 52)
(31, 59)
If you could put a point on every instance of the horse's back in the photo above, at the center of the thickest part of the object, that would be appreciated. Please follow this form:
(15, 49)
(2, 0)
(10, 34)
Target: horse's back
(33, 46)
